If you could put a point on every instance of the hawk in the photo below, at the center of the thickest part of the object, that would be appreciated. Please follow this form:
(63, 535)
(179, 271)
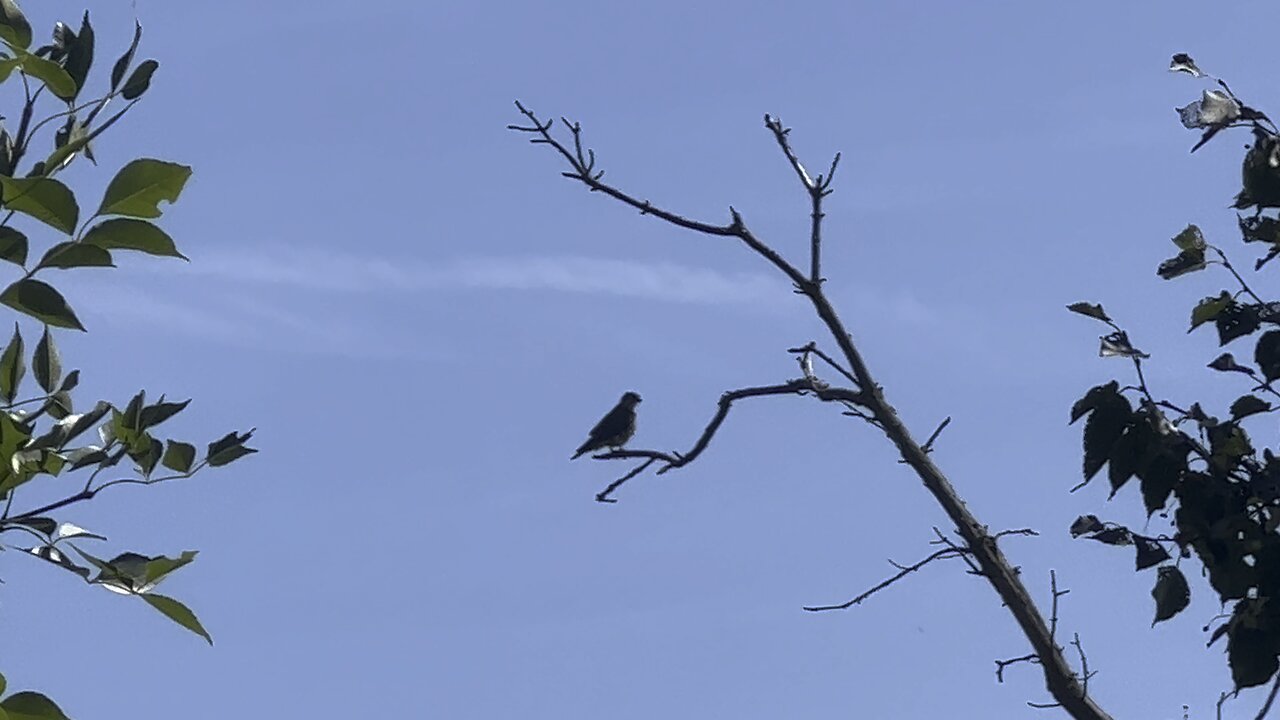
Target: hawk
(614, 429)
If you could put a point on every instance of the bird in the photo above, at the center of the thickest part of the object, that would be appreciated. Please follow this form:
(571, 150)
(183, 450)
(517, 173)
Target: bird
(614, 429)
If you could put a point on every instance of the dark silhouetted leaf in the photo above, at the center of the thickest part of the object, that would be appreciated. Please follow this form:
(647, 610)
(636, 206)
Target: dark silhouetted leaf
(1101, 431)
(1235, 321)
(1260, 173)
(1251, 654)
(1085, 524)
(1114, 536)
(1226, 362)
(1182, 62)
(1248, 405)
(80, 54)
(1089, 310)
(136, 191)
(153, 415)
(1150, 553)
(130, 234)
(46, 364)
(1086, 404)
(139, 80)
(13, 366)
(1184, 262)
(1267, 355)
(122, 65)
(41, 302)
(13, 246)
(1171, 593)
(1117, 345)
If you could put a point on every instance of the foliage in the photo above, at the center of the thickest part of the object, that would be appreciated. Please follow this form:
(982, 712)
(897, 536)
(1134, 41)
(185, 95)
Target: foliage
(46, 431)
(1226, 494)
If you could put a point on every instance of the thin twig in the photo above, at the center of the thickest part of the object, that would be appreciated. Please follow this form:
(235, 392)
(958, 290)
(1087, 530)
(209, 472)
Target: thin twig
(928, 444)
(1271, 697)
(903, 572)
(1002, 664)
(603, 495)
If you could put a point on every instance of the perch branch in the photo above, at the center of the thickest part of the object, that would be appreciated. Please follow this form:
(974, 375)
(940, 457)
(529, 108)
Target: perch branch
(1061, 682)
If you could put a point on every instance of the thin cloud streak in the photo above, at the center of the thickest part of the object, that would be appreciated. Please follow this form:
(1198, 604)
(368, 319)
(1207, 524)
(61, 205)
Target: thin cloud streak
(335, 272)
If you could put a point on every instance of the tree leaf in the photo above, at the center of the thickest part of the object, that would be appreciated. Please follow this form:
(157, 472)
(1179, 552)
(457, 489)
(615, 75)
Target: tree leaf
(1208, 309)
(1113, 536)
(1085, 524)
(1172, 594)
(136, 191)
(31, 706)
(1086, 404)
(1267, 355)
(122, 65)
(13, 246)
(1251, 654)
(140, 80)
(14, 27)
(44, 199)
(1236, 321)
(228, 449)
(13, 366)
(1184, 262)
(71, 254)
(1104, 427)
(1190, 239)
(153, 415)
(41, 302)
(1226, 362)
(131, 234)
(80, 54)
(51, 74)
(1247, 405)
(178, 613)
(46, 364)
(179, 456)
(1149, 552)
(1089, 310)
(1182, 62)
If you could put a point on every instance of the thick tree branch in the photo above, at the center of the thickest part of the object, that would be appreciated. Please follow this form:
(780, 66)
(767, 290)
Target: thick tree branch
(1061, 681)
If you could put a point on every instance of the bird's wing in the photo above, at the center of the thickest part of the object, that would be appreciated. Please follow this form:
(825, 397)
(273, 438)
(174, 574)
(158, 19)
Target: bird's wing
(610, 424)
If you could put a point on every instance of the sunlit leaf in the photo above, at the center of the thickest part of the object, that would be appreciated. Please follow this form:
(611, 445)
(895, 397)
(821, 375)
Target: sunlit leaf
(131, 234)
(139, 187)
(41, 302)
(178, 613)
(44, 199)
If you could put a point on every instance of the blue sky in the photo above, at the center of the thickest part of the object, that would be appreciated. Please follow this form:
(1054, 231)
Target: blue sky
(423, 319)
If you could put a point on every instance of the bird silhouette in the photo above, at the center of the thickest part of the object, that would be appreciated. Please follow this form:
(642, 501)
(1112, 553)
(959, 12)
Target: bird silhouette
(614, 429)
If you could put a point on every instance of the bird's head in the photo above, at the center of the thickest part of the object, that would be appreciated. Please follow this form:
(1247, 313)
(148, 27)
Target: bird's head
(630, 399)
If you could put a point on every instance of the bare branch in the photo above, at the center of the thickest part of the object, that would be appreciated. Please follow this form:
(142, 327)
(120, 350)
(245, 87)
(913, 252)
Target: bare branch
(928, 444)
(603, 495)
(817, 188)
(1002, 664)
(1271, 698)
(905, 570)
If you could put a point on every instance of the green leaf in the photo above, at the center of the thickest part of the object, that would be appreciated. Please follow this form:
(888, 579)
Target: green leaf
(13, 246)
(44, 199)
(139, 80)
(1208, 309)
(41, 302)
(7, 66)
(1185, 262)
(1190, 239)
(1171, 593)
(228, 449)
(153, 415)
(122, 65)
(71, 254)
(3, 684)
(51, 74)
(1089, 310)
(159, 567)
(14, 27)
(1248, 405)
(71, 140)
(80, 54)
(13, 366)
(46, 364)
(136, 191)
(130, 234)
(178, 613)
(179, 456)
(31, 706)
